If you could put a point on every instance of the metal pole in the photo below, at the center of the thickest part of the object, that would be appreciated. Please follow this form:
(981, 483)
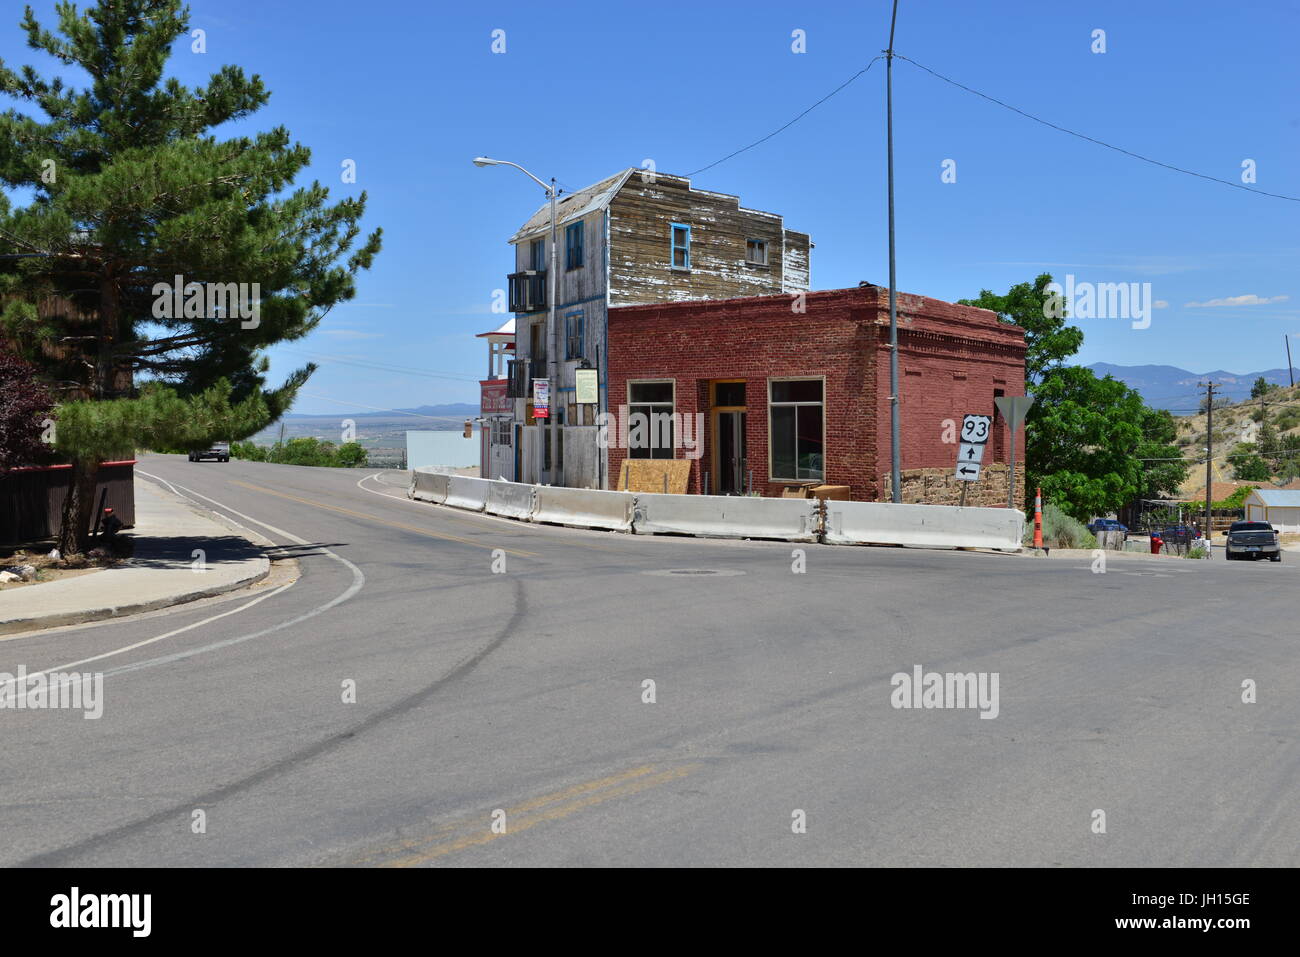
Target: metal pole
(894, 466)
(1209, 457)
(1289, 368)
(553, 281)
(1011, 476)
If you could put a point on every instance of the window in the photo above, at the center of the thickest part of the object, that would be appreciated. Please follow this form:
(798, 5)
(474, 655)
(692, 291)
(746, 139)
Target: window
(650, 420)
(729, 394)
(796, 430)
(573, 335)
(502, 429)
(573, 235)
(681, 246)
(756, 252)
(537, 255)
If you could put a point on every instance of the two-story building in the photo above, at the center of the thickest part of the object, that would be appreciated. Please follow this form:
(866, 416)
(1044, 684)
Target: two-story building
(496, 407)
(636, 238)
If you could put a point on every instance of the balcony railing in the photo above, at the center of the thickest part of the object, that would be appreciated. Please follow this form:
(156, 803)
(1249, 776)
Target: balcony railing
(527, 290)
(520, 375)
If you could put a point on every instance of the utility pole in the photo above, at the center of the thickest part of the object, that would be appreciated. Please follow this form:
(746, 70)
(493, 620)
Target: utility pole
(1289, 368)
(895, 471)
(1209, 458)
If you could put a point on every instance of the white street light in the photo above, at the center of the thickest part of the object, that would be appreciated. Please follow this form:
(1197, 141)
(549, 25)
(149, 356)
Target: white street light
(552, 348)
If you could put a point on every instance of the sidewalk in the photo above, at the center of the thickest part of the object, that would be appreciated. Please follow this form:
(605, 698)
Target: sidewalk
(161, 573)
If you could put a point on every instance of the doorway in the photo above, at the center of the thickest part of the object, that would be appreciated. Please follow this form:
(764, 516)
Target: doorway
(730, 446)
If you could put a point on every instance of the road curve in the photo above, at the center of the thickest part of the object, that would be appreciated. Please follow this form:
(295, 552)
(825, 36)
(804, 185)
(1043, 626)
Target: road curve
(501, 712)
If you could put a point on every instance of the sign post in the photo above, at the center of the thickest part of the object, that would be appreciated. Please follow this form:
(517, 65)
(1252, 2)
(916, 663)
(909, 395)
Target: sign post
(1013, 409)
(970, 451)
(541, 398)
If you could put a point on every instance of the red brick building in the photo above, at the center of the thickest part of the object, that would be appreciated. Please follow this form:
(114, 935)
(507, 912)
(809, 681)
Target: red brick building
(802, 397)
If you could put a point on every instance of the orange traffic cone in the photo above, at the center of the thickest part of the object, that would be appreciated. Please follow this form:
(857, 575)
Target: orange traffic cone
(1038, 518)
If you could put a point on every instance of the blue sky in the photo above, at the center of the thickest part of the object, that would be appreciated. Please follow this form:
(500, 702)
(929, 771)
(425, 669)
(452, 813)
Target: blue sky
(411, 91)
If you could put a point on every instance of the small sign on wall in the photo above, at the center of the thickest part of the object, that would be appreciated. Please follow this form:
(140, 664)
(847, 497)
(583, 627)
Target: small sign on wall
(541, 398)
(587, 386)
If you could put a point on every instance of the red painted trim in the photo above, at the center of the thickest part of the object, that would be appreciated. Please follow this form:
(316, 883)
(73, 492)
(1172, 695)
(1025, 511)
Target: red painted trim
(55, 468)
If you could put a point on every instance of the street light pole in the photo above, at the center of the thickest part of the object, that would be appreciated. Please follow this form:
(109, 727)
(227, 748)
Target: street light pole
(551, 338)
(895, 471)
(553, 360)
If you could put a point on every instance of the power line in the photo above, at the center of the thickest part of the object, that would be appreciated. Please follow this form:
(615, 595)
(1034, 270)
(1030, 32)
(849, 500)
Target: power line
(385, 367)
(791, 123)
(1090, 139)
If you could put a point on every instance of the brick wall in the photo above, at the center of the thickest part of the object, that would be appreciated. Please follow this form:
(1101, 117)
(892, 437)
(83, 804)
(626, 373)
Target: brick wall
(951, 358)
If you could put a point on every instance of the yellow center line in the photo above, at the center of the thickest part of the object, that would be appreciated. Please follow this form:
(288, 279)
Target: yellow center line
(380, 521)
(549, 807)
(532, 804)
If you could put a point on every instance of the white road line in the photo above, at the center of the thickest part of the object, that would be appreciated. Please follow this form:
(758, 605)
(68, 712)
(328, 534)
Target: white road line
(358, 581)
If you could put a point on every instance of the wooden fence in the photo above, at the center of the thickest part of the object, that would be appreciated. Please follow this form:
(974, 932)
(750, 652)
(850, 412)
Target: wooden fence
(31, 499)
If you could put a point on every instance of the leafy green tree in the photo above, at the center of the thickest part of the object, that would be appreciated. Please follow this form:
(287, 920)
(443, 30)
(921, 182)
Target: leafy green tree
(351, 455)
(1250, 467)
(1164, 469)
(1093, 445)
(1085, 445)
(1049, 341)
(129, 189)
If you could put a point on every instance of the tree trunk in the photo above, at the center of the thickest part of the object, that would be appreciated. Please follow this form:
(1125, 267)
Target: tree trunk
(78, 508)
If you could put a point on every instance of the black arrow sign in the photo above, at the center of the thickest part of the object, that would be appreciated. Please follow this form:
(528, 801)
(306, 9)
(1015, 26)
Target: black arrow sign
(970, 453)
(965, 471)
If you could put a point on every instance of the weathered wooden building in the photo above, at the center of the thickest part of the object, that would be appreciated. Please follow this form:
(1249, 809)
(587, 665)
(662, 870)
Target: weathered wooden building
(635, 238)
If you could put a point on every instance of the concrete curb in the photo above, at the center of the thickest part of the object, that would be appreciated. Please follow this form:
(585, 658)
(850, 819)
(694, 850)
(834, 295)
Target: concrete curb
(59, 619)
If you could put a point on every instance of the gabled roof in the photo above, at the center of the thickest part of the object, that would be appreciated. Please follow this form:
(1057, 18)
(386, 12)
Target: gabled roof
(1277, 497)
(575, 205)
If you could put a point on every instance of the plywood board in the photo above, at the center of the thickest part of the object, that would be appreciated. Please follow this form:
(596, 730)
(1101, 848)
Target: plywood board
(647, 475)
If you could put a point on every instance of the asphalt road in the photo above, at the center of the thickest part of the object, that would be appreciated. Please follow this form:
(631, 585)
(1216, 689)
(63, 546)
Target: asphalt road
(518, 694)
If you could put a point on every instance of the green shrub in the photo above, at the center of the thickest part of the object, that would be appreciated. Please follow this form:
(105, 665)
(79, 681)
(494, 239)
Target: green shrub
(1288, 418)
(303, 451)
(1061, 530)
(247, 450)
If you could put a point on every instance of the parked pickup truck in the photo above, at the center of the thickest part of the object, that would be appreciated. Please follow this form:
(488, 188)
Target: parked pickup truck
(1253, 540)
(217, 450)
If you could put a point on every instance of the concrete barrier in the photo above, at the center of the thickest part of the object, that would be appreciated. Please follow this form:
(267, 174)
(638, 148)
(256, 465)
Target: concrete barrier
(727, 516)
(584, 508)
(428, 486)
(933, 526)
(509, 500)
(468, 493)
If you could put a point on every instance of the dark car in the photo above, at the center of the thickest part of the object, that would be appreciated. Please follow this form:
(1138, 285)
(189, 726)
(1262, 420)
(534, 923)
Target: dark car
(1252, 540)
(1106, 525)
(217, 450)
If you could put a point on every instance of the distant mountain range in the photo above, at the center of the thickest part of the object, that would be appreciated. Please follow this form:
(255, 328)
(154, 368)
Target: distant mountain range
(1180, 391)
(454, 410)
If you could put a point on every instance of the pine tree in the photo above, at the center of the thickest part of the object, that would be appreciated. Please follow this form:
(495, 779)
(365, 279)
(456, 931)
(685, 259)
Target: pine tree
(154, 249)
